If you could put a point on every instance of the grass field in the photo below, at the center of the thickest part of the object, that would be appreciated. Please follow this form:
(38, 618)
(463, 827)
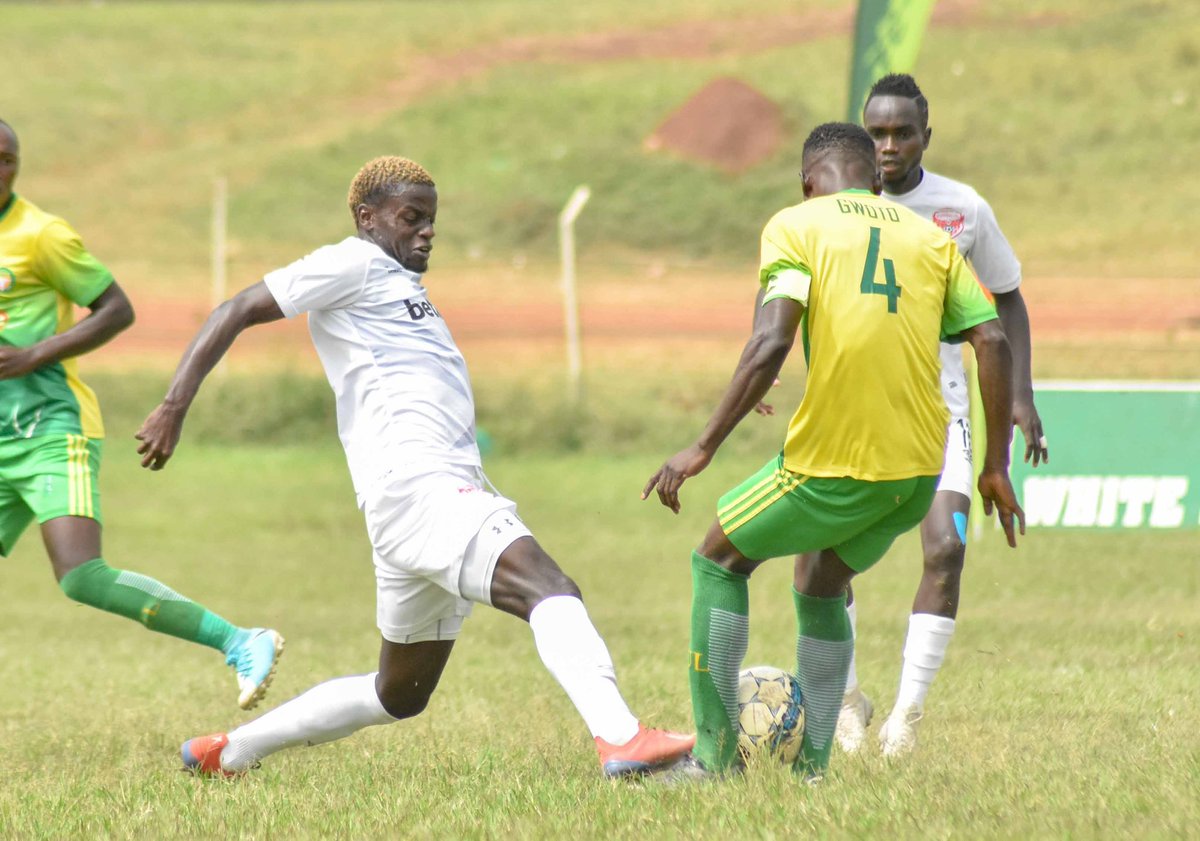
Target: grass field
(1065, 709)
(1067, 706)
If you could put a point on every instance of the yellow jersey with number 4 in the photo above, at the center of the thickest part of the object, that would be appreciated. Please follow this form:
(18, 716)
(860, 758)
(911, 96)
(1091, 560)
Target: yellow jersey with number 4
(881, 288)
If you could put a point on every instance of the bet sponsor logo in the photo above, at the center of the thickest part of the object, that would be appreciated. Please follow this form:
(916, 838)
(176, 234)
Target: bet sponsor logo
(420, 309)
(1106, 501)
(7, 279)
(950, 221)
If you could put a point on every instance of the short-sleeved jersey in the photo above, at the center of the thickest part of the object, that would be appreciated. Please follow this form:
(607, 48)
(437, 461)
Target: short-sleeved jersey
(44, 272)
(404, 401)
(962, 213)
(880, 288)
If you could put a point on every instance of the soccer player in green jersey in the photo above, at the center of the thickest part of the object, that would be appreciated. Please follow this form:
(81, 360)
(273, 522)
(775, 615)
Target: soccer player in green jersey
(51, 432)
(872, 288)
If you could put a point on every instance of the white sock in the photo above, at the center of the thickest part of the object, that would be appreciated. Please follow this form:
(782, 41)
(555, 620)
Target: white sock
(852, 676)
(924, 651)
(576, 656)
(328, 711)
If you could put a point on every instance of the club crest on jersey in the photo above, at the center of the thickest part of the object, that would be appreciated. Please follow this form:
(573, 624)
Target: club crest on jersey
(7, 279)
(950, 221)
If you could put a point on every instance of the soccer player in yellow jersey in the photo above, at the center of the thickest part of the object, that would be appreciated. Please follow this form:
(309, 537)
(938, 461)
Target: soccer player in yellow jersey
(872, 288)
(896, 115)
(51, 433)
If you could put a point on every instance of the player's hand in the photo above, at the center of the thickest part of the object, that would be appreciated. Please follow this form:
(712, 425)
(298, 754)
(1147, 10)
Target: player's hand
(17, 362)
(672, 474)
(764, 408)
(159, 436)
(1025, 415)
(997, 491)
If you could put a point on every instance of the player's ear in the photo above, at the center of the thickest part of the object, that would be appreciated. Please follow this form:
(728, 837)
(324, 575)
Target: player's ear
(877, 183)
(806, 183)
(928, 134)
(364, 217)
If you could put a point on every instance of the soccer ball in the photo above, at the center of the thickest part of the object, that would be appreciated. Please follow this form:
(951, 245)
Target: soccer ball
(770, 714)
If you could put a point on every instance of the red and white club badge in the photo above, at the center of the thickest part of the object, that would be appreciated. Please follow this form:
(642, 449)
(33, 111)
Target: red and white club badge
(950, 221)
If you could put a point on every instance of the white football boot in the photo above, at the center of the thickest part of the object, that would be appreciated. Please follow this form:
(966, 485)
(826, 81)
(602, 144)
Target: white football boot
(855, 715)
(898, 736)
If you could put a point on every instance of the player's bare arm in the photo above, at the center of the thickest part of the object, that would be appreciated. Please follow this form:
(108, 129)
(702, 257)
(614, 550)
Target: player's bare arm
(995, 388)
(774, 333)
(160, 431)
(762, 407)
(1014, 318)
(110, 314)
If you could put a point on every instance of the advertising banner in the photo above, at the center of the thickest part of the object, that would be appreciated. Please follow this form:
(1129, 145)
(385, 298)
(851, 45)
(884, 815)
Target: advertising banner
(887, 38)
(1123, 455)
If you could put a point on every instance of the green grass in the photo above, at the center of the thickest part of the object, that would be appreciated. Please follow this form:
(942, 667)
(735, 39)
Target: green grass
(1075, 119)
(1065, 708)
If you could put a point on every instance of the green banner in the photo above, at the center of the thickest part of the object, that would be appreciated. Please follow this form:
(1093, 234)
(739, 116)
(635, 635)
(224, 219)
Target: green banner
(1122, 455)
(887, 38)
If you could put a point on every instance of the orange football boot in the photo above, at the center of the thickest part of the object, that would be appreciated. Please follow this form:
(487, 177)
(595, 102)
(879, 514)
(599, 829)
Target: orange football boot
(648, 750)
(202, 755)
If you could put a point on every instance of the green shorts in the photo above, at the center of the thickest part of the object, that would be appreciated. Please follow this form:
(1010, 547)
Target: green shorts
(777, 512)
(46, 477)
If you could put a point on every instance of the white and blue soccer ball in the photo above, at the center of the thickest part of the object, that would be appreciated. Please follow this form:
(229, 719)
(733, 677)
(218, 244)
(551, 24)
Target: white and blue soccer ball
(770, 714)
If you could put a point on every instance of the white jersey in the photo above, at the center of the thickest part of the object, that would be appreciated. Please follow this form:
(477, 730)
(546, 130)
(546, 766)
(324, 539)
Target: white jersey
(404, 402)
(962, 213)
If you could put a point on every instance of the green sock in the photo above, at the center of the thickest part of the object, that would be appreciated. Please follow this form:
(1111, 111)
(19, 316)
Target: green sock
(720, 628)
(824, 647)
(145, 600)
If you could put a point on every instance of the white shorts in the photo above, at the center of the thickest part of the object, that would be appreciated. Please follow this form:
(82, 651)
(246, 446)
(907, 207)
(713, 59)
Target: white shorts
(958, 474)
(436, 541)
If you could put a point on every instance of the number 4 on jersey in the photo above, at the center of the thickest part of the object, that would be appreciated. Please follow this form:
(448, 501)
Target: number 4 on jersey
(869, 286)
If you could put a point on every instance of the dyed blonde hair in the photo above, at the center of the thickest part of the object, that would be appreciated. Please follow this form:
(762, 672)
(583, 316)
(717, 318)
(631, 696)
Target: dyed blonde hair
(382, 176)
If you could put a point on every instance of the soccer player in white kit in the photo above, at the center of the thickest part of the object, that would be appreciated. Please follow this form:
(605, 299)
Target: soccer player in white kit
(443, 538)
(896, 115)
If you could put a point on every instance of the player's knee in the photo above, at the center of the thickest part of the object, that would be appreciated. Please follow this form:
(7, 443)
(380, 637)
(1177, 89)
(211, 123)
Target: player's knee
(73, 588)
(526, 576)
(87, 583)
(556, 583)
(540, 577)
(562, 584)
(944, 557)
(403, 701)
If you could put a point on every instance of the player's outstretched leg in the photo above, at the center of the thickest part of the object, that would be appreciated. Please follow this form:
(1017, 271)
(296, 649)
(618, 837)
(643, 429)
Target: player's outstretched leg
(73, 544)
(328, 711)
(931, 626)
(824, 646)
(408, 674)
(529, 584)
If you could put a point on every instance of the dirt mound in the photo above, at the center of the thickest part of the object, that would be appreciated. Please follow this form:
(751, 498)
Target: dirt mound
(726, 124)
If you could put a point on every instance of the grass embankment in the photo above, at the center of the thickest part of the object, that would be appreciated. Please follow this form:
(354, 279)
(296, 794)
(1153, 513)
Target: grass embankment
(1074, 119)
